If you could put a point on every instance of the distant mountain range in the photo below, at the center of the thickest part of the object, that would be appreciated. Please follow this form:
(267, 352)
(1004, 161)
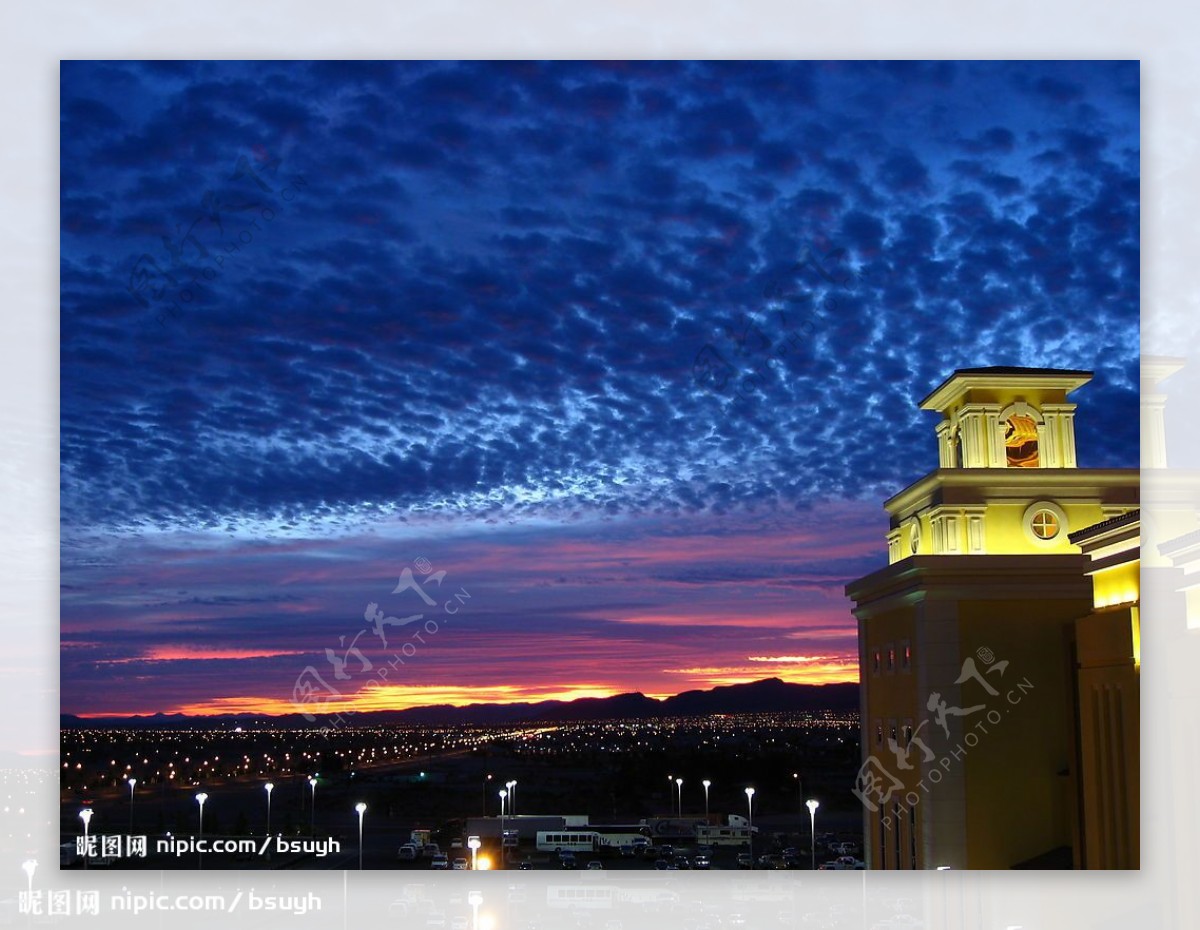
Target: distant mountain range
(770, 695)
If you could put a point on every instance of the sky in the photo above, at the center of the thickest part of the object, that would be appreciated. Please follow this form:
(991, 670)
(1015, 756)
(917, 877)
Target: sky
(630, 352)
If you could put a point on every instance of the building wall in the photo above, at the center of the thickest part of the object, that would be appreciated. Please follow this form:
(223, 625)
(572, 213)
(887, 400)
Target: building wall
(1109, 718)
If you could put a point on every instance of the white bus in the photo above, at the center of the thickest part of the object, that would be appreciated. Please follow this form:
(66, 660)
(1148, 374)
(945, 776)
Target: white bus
(724, 836)
(616, 837)
(566, 841)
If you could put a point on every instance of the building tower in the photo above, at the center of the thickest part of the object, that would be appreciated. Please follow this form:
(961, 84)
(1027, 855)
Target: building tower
(967, 642)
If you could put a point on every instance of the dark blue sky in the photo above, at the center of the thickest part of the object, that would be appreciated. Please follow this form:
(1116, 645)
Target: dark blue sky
(421, 303)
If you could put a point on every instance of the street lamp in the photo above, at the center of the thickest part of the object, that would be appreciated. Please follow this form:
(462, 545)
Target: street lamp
(30, 866)
(270, 787)
(750, 811)
(201, 798)
(312, 814)
(362, 809)
(679, 788)
(86, 816)
(132, 782)
(485, 789)
(473, 844)
(706, 783)
(670, 782)
(503, 795)
(512, 793)
(812, 805)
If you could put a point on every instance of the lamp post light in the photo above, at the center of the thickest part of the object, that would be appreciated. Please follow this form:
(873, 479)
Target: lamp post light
(30, 866)
(670, 782)
(679, 789)
(270, 787)
(485, 790)
(86, 816)
(812, 805)
(132, 783)
(750, 811)
(200, 799)
(707, 784)
(362, 809)
(503, 796)
(800, 792)
(512, 796)
(312, 814)
(473, 844)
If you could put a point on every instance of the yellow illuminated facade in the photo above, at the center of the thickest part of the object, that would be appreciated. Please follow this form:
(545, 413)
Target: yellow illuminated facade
(969, 693)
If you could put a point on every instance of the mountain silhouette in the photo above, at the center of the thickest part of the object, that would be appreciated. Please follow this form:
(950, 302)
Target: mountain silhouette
(770, 695)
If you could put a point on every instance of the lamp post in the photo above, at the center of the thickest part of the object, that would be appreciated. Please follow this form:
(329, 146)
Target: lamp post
(270, 787)
(312, 814)
(512, 796)
(86, 816)
(473, 844)
(485, 790)
(132, 782)
(679, 789)
(30, 866)
(812, 805)
(750, 811)
(362, 809)
(707, 784)
(800, 792)
(503, 796)
(200, 799)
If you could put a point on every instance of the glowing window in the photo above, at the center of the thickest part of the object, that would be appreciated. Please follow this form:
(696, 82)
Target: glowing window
(1021, 442)
(1045, 524)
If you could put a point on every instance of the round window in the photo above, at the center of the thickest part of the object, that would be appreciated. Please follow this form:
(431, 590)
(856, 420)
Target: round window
(1045, 524)
(914, 536)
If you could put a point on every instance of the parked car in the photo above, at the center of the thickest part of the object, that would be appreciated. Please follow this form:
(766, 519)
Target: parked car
(745, 861)
(702, 862)
(460, 865)
(408, 852)
(430, 850)
(595, 866)
(627, 851)
(682, 862)
(439, 861)
(525, 865)
(661, 865)
(566, 860)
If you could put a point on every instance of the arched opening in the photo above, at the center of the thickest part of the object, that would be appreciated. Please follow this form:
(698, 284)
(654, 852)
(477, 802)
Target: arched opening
(1021, 441)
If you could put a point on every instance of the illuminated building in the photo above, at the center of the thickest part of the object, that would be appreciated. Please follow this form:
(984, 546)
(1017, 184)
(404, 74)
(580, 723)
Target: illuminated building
(970, 733)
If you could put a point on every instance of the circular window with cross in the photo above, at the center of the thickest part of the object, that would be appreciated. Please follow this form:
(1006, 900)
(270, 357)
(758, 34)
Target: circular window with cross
(1044, 523)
